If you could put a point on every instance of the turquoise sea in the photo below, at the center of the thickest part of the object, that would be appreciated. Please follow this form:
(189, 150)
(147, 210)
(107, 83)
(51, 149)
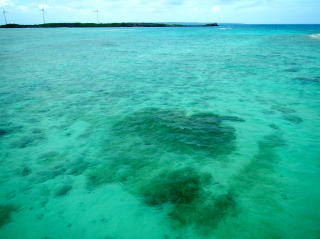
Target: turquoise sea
(160, 133)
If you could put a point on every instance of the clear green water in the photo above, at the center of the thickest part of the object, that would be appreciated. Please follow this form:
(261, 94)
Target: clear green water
(160, 133)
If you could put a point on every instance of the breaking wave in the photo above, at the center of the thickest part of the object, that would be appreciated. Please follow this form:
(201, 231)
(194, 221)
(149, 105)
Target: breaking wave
(315, 36)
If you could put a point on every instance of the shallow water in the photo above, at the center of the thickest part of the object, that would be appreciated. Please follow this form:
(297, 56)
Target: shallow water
(160, 133)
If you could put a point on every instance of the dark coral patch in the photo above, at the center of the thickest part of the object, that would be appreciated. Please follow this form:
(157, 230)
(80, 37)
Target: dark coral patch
(181, 186)
(177, 131)
(292, 70)
(77, 167)
(272, 141)
(232, 118)
(62, 190)
(144, 155)
(206, 215)
(100, 175)
(274, 126)
(25, 171)
(308, 79)
(50, 173)
(3, 132)
(283, 109)
(28, 141)
(292, 118)
(5, 214)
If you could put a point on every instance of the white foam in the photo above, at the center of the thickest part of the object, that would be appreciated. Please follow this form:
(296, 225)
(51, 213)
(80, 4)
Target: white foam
(225, 28)
(315, 36)
(116, 30)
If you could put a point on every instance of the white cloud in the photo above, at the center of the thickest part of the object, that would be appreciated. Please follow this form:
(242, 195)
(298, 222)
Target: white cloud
(23, 8)
(4, 3)
(43, 6)
(216, 9)
(151, 9)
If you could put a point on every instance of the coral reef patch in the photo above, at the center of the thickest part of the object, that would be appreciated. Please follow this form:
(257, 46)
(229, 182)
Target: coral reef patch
(145, 154)
(180, 186)
(5, 213)
(177, 131)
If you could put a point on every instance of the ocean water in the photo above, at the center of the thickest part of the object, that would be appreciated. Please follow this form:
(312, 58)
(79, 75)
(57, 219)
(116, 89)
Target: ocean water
(160, 133)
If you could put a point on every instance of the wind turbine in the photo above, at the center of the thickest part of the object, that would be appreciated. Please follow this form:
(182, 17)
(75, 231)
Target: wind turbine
(4, 12)
(97, 12)
(43, 12)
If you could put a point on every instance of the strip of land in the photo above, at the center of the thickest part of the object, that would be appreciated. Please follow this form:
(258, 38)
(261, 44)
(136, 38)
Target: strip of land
(123, 24)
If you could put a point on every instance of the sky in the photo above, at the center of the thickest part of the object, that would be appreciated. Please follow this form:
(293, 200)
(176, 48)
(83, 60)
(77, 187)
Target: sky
(221, 11)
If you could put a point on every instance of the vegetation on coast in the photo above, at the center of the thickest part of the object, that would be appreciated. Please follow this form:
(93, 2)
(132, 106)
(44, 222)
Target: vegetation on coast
(124, 24)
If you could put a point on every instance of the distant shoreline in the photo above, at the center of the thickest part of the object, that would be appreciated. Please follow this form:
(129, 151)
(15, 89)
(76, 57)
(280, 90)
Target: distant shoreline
(124, 24)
